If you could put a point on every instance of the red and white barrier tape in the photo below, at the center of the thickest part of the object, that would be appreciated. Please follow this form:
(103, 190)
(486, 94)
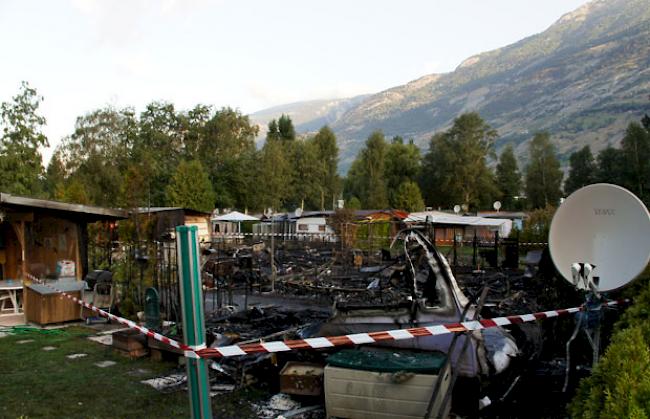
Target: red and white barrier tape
(190, 352)
(331, 341)
(396, 334)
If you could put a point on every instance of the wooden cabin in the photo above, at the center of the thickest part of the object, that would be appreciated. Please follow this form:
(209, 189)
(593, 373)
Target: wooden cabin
(47, 239)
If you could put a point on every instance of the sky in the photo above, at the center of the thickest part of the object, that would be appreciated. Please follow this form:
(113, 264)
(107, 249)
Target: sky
(81, 55)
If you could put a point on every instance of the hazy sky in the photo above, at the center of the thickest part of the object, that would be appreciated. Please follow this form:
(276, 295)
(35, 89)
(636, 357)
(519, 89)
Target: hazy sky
(82, 55)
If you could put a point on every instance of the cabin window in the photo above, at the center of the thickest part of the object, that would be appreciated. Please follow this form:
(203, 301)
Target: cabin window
(303, 227)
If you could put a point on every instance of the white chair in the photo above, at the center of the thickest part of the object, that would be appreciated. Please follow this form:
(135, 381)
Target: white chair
(3, 302)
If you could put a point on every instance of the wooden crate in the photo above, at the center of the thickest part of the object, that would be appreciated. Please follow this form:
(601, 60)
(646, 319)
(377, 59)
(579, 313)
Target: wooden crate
(129, 340)
(302, 378)
(50, 308)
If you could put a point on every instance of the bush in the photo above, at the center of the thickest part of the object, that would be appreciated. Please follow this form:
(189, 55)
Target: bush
(620, 384)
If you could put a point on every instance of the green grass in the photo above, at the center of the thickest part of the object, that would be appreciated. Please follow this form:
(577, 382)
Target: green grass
(37, 383)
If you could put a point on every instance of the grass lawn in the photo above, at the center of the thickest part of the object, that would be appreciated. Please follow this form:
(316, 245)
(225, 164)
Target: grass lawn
(38, 383)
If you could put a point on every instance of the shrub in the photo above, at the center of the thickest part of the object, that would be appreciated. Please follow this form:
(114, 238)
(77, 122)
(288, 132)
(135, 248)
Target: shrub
(620, 384)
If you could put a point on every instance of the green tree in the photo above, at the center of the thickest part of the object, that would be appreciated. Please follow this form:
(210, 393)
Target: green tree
(635, 148)
(582, 170)
(286, 129)
(21, 163)
(97, 153)
(274, 175)
(159, 148)
(408, 197)
(455, 167)
(273, 133)
(353, 203)
(190, 187)
(74, 192)
(328, 156)
(54, 176)
(610, 166)
(543, 173)
(366, 177)
(225, 148)
(308, 173)
(403, 164)
(508, 177)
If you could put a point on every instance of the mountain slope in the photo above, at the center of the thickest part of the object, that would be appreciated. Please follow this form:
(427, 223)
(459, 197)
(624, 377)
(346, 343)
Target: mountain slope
(583, 80)
(307, 116)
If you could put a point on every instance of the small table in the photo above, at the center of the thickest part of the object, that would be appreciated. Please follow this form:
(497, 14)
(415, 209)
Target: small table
(11, 287)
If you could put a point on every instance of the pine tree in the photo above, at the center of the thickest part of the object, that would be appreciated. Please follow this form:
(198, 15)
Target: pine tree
(190, 187)
(408, 197)
(328, 155)
(508, 177)
(635, 148)
(582, 170)
(610, 166)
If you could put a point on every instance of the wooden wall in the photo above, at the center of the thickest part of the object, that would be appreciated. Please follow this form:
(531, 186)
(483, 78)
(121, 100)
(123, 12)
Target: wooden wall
(50, 239)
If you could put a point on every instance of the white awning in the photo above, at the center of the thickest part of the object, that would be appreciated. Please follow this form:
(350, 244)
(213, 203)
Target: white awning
(436, 217)
(235, 217)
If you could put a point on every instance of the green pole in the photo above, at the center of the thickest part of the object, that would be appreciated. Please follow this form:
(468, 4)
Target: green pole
(189, 275)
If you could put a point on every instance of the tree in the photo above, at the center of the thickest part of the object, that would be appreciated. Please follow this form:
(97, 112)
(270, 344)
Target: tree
(274, 175)
(455, 167)
(190, 187)
(543, 173)
(96, 154)
(408, 197)
(328, 155)
(226, 148)
(582, 170)
(308, 172)
(285, 128)
(610, 166)
(74, 192)
(159, 147)
(635, 148)
(54, 176)
(366, 177)
(21, 165)
(353, 203)
(508, 177)
(403, 163)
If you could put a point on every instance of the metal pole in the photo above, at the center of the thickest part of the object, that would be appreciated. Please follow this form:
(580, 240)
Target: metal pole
(455, 250)
(187, 245)
(273, 274)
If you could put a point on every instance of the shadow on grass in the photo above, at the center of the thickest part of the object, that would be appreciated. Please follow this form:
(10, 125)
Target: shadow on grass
(39, 383)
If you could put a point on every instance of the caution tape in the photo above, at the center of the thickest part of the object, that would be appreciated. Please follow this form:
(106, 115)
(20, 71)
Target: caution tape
(331, 341)
(307, 236)
(188, 351)
(388, 335)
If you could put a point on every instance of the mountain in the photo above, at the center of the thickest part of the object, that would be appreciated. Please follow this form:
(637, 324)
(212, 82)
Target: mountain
(583, 80)
(307, 116)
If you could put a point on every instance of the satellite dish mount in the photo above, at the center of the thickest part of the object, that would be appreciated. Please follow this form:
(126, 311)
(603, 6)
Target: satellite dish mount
(599, 241)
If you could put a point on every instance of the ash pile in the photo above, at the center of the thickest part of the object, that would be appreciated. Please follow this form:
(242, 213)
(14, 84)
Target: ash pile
(330, 292)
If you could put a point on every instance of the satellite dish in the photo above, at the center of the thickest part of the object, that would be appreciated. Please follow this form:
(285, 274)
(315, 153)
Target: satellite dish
(497, 205)
(605, 226)
(456, 209)
(298, 212)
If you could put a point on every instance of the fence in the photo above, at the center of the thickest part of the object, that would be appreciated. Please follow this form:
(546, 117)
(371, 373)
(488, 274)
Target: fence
(137, 266)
